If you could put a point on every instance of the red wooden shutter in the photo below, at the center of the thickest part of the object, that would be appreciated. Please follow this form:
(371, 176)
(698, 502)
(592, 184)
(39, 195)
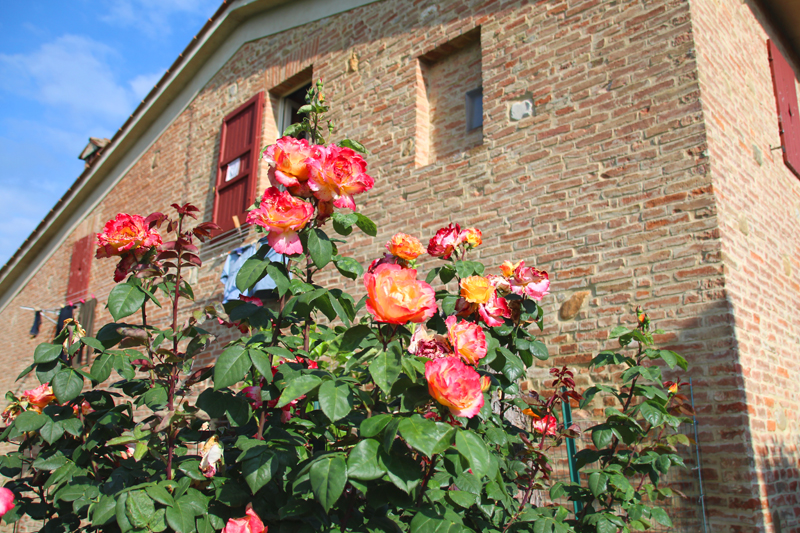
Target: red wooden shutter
(240, 142)
(80, 268)
(786, 96)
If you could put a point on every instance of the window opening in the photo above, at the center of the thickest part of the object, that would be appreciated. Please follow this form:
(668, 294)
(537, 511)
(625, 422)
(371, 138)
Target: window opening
(474, 102)
(290, 105)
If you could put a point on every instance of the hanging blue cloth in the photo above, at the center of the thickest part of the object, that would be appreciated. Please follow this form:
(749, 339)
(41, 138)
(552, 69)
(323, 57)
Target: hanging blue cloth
(234, 263)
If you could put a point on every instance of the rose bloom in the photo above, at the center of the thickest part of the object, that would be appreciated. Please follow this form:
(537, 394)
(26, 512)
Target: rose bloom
(486, 382)
(445, 241)
(493, 311)
(84, 409)
(212, 454)
(282, 215)
(253, 395)
(471, 236)
(467, 338)
(501, 284)
(508, 268)
(40, 397)
(338, 174)
(250, 523)
(430, 345)
(395, 296)
(6, 500)
(455, 385)
(126, 233)
(546, 425)
(531, 282)
(476, 289)
(405, 247)
(288, 163)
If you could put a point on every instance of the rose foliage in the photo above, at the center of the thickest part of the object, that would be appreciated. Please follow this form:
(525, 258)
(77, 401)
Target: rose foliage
(390, 413)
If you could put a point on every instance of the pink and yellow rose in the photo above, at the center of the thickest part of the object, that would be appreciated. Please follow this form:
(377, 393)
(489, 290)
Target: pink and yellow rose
(528, 281)
(476, 289)
(395, 296)
(253, 395)
(128, 236)
(444, 243)
(283, 216)
(546, 425)
(337, 174)
(405, 247)
(6, 500)
(472, 237)
(288, 162)
(467, 338)
(250, 523)
(40, 397)
(455, 385)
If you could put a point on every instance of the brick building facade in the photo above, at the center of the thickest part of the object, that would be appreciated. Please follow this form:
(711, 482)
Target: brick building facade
(627, 147)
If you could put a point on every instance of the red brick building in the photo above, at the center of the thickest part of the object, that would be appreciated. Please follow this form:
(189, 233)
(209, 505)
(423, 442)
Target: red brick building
(632, 148)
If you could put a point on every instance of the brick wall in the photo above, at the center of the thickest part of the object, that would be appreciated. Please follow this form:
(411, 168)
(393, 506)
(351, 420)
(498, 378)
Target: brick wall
(759, 219)
(605, 182)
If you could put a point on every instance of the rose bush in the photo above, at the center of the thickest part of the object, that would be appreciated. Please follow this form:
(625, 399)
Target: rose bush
(389, 413)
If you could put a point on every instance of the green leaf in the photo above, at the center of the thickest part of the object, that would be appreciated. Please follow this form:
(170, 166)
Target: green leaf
(353, 145)
(514, 367)
(67, 385)
(51, 431)
(353, 338)
(253, 270)
(101, 367)
(472, 447)
(180, 516)
(139, 508)
(539, 350)
(363, 461)
(659, 515)
(104, 510)
(319, 247)
(124, 300)
(328, 476)
(601, 436)
(277, 272)
(349, 267)
(366, 225)
(342, 223)
(386, 367)
(374, 425)
(425, 435)
(160, 494)
(335, 400)
(618, 331)
(122, 518)
(231, 366)
(606, 526)
(30, 421)
(45, 353)
(296, 388)
(598, 482)
(259, 470)
(158, 522)
(651, 413)
(261, 361)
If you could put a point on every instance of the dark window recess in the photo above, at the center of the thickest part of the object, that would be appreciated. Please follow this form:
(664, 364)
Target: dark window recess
(290, 105)
(784, 82)
(474, 102)
(240, 142)
(80, 268)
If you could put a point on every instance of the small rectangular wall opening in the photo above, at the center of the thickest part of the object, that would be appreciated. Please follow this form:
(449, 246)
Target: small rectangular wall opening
(449, 99)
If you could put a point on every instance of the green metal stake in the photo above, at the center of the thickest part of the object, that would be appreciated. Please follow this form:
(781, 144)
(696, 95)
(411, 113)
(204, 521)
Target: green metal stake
(574, 475)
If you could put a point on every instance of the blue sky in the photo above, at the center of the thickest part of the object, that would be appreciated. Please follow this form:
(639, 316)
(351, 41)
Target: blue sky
(70, 70)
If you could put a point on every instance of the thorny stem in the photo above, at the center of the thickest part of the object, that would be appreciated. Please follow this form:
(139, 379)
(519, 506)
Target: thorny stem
(307, 325)
(526, 497)
(427, 478)
(173, 376)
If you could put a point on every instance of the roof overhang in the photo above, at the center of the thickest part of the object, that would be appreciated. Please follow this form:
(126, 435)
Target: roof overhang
(785, 16)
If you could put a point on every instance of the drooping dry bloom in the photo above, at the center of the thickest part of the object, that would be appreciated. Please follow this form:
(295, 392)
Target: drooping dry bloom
(472, 237)
(430, 345)
(395, 296)
(40, 397)
(337, 174)
(467, 338)
(455, 385)
(250, 523)
(501, 284)
(288, 164)
(530, 282)
(212, 454)
(6, 500)
(283, 216)
(476, 289)
(445, 241)
(405, 247)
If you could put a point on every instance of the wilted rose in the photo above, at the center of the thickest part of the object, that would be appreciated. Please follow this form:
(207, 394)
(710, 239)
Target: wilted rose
(445, 241)
(40, 397)
(476, 289)
(467, 338)
(338, 174)
(455, 385)
(395, 296)
(283, 216)
(250, 523)
(529, 281)
(430, 345)
(405, 247)
(211, 455)
(288, 163)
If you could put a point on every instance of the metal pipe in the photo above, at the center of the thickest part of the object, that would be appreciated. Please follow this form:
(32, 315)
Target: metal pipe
(574, 475)
(697, 455)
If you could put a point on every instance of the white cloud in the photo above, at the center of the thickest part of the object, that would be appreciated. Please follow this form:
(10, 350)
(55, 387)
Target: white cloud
(153, 17)
(142, 84)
